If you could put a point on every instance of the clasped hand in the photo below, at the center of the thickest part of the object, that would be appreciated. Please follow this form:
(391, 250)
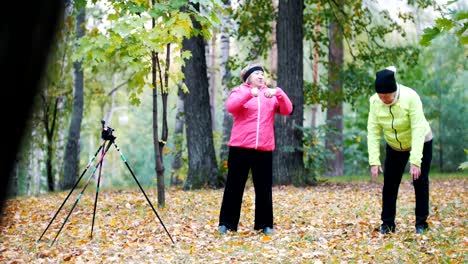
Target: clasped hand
(270, 92)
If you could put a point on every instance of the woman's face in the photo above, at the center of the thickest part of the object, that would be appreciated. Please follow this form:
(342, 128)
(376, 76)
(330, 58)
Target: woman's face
(256, 79)
(387, 98)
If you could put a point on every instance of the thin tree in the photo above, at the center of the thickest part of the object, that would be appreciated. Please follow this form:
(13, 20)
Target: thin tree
(334, 137)
(225, 76)
(159, 140)
(72, 151)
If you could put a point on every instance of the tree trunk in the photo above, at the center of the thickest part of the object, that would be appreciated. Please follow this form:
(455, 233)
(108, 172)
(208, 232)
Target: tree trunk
(38, 156)
(157, 155)
(13, 188)
(202, 159)
(334, 139)
(288, 167)
(50, 175)
(60, 150)
(225, 75)
(50, 120)
(29, 176)
(71, 160)
(164, 85)
(178, 141)
(274, 50)
(156, 142)
(213, 79)
(315, 71)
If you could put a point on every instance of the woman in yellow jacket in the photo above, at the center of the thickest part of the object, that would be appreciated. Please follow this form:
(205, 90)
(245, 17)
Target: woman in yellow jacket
(397, 112)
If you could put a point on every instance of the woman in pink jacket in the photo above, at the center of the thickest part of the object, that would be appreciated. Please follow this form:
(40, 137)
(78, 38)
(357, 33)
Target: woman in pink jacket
(253, 106)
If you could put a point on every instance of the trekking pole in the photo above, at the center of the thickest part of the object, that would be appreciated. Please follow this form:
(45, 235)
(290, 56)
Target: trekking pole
(82, 191)
(74, 186)
(141, 188)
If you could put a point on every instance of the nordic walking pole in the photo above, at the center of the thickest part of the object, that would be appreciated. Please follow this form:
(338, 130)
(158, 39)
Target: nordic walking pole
(141, 188)
(97, 193)
(82, 191)
(74, 186)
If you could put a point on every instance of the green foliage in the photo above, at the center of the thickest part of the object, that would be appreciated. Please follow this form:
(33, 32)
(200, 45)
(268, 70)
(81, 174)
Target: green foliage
(453, 21)
(254, 19)
(366, 33)
(125, 45)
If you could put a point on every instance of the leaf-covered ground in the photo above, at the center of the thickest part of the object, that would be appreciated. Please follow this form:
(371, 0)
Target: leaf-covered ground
(332, 223)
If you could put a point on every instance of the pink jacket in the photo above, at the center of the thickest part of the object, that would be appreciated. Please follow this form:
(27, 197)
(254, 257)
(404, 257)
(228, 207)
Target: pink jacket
(254, 117)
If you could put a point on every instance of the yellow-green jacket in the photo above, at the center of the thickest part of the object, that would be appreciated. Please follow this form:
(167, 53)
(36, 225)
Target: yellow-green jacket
(403, 124)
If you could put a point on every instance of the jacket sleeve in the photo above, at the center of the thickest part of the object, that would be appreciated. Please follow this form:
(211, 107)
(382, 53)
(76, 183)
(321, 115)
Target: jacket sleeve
(285, 105)
(418, 130)
(374, 131)
(237, 99)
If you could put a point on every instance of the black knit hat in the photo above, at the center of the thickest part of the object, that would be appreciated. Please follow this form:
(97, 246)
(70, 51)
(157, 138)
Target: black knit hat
(385, 82)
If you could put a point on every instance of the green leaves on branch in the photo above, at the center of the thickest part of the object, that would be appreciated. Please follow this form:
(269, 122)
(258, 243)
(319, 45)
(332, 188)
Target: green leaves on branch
(456, 22)
(254, 25)
(126, 34)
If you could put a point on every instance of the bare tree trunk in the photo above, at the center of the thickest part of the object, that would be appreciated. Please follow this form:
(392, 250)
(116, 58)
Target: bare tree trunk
(60, 147)
(225, 75)
(50, 126)
(202, 159)
(72, 152)
(13, 188)
(178, 141)
(334, 139)
(30, 167)
(159, 166)
(156, 141)
(213, 78)
(164, 129)
(441, 120)
(38, 156)
(288, 167)
(274, 50)
(315, 71)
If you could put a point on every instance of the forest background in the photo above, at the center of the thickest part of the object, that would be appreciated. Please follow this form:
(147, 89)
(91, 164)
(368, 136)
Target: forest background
(158, 73)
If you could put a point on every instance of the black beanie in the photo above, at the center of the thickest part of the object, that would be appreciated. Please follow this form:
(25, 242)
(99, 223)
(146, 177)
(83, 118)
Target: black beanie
(385, 82)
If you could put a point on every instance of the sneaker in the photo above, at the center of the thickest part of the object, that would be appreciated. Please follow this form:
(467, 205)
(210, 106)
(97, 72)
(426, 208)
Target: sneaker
(222, 229)
(385, 229)
(268, 231)
(420, 230)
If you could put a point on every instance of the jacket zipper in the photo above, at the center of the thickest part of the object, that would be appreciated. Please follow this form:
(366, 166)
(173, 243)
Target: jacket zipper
(258, 121)
(394, 129)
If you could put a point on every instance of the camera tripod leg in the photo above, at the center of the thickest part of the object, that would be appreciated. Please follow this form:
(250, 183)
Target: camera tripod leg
(71, 191)
(97, 193)
(141, 188)
(82, 191)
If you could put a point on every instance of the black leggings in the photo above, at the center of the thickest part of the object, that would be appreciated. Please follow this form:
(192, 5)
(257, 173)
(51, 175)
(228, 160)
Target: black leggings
(240, 162)
(395, 163)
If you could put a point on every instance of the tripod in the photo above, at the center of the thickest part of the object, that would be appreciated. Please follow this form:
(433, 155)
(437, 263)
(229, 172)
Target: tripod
(108, 137)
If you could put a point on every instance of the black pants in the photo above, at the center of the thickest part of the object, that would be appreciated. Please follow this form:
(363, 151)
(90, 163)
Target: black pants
(240, 162)
(395, 164)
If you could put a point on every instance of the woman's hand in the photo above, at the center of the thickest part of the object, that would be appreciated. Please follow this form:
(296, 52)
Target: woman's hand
(270, 92)
(374, 170)
(415, 171)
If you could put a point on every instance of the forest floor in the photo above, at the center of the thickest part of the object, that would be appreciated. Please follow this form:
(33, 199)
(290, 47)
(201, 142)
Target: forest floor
(330, 223)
